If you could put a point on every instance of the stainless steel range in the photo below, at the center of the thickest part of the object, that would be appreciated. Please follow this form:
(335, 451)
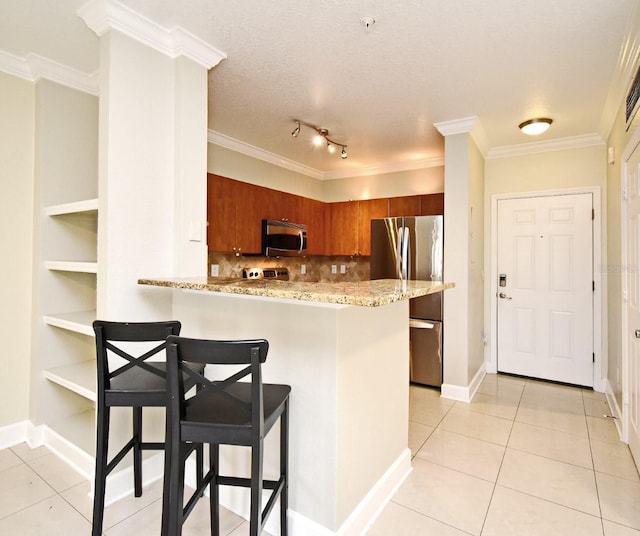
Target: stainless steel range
(281, 274)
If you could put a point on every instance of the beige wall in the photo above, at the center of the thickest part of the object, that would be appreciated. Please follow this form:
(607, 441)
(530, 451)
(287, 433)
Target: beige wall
(235, 165)
(228, 163)
(618, 139)
(419, 181)
(551, 170)
(17, 108)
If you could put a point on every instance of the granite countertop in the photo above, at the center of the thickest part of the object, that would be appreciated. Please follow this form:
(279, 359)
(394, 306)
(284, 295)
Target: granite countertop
(364, 293)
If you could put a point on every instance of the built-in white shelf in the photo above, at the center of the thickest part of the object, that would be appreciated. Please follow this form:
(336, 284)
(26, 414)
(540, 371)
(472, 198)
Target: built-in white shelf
(79, 378)
(77, 207)
(80, 322)
(87, 267)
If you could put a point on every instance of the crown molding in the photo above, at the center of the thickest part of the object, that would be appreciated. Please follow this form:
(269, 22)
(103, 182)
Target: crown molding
(35, 67)
(574, 142)
(249, 150)
(466, 125)
(104, 15)
(271, 158)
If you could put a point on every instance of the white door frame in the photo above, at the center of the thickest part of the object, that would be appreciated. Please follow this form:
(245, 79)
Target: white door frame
(599, 348)
(623, 333)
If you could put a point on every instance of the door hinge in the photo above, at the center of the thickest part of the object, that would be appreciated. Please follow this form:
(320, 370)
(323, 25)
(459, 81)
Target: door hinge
(593, 356)
(625, 295)
(625, 195)
(593, 213)
(593, 286)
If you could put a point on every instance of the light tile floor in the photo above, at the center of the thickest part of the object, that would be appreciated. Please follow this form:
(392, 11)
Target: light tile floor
(524, 458)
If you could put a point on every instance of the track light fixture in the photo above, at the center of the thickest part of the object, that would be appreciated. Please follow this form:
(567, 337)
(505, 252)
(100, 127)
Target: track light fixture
(322, 136)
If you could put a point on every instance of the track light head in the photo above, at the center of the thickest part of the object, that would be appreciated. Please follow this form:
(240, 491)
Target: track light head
(321, 136)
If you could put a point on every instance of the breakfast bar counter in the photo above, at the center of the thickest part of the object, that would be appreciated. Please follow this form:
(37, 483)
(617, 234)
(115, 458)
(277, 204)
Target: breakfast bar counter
(344, 349)
(363, 293)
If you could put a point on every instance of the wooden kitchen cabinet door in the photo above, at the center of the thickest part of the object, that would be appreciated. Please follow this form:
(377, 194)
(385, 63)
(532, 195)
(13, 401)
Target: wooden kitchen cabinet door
(368, 210)
(252, 207)
(284, 206)
(221, 213)
(432, 204)
(315, 215)
(408, 205)
(344, 228)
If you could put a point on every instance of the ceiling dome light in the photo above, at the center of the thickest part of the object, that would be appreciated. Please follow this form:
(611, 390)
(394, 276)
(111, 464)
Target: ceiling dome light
(535, 126)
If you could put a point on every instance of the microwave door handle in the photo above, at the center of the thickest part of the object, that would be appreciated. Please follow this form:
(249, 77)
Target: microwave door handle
(301, 237)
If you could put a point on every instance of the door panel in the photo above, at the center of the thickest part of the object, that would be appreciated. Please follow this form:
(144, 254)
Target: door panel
(632, 284)
(545, 311)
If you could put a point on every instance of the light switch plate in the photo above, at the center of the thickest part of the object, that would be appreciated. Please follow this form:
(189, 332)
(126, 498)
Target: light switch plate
(195, 231)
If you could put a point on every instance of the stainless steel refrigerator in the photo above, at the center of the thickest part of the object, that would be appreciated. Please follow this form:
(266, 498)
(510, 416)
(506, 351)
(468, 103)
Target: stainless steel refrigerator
(411, 247)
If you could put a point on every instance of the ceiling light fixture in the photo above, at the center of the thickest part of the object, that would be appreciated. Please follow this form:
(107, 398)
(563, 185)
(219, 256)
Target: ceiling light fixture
(535, 126)
(321, 136)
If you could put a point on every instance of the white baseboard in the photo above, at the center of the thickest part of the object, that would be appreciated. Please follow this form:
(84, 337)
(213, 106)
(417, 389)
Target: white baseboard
(362, 517)
(616, 411)
(464, 394)
(13, 434)
(119, 483)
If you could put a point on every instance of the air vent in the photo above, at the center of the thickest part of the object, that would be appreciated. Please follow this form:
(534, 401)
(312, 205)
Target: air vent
(633, 96)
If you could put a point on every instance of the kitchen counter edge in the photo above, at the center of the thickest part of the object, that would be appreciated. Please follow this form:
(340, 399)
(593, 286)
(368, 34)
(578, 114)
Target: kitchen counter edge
(362, 293)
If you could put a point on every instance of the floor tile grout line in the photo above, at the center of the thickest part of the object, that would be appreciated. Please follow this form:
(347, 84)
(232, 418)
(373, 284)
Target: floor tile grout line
(428, 517)
(504, 453)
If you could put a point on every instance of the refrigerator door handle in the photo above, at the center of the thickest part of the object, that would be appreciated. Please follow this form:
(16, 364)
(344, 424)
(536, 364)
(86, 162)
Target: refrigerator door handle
(400, 241)
(421, 324)
(407, 254)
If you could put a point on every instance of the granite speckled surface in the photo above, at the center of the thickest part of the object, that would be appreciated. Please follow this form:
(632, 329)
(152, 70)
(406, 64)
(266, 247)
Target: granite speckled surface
(363, 293)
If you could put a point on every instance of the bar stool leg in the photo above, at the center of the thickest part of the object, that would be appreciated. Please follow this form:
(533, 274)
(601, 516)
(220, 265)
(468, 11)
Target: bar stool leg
(137, 451)
(255, 520)
(102, 442)
(284, 468)
(214, 490)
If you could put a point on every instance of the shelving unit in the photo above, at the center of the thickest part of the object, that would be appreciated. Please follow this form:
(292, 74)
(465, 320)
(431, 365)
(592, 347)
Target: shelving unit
(63, 377)
(78, 377)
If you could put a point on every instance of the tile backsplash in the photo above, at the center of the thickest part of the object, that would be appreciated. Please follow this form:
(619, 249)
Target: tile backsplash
(318, 268)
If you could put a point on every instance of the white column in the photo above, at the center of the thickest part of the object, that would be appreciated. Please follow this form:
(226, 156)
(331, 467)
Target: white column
(463, 356)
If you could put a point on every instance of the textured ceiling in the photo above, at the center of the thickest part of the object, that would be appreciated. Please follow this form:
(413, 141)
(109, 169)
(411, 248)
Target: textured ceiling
(380, 90)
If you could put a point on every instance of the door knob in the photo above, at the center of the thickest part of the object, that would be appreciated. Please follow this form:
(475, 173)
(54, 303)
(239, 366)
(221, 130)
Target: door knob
(637, 333)
(505, 297)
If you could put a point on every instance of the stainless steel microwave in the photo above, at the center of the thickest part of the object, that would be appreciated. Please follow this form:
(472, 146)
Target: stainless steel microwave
(283, 239)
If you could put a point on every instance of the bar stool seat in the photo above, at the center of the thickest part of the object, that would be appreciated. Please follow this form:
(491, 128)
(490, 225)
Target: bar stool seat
(226, 411)
(127, 379)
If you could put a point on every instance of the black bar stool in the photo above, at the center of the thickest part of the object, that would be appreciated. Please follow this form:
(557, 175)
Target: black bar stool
(229, 412)
(130, 381)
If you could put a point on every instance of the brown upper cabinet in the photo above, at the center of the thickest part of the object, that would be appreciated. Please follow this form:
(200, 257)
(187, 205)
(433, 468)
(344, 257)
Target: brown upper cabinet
(408, 205)
(343, 228)
(368, 210)
(431, 204)
(315, 214)
(235, 211)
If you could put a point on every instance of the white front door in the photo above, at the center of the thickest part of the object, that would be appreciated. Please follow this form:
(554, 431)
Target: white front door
(545, 289)
(632, 281)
